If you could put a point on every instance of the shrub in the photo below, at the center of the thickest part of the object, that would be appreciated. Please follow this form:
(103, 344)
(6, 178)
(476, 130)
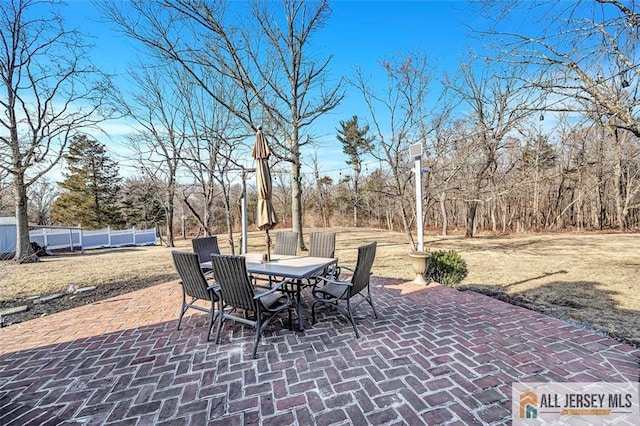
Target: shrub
(446, 267)
(38, 250)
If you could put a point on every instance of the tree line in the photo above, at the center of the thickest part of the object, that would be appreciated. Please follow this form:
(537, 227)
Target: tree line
(537, 132)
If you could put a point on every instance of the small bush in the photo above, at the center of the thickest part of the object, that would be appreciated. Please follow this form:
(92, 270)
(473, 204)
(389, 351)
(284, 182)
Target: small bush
(38, 250)
(446, 267)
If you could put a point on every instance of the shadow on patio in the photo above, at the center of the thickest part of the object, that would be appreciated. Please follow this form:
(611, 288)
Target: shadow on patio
(435, 355)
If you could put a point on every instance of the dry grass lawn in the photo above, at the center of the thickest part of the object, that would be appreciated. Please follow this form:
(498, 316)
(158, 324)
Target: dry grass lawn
(589, 279)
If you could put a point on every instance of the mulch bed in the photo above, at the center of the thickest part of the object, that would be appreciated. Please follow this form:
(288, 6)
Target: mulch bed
(73, 300)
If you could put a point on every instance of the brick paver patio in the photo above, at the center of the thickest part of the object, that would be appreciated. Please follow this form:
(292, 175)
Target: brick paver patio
(434, 356)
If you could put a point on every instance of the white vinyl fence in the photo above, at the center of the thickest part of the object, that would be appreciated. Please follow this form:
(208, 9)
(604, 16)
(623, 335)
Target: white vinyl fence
(77, 238)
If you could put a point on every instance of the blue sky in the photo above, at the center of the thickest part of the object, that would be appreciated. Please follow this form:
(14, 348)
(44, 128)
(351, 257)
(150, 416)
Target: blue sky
(357, 33)
(361, 33)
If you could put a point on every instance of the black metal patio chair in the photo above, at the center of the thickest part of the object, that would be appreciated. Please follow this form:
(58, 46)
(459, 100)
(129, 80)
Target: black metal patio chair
(323, 244)
(205, 247)
(334, 292)
(196, 286)
(237, 292)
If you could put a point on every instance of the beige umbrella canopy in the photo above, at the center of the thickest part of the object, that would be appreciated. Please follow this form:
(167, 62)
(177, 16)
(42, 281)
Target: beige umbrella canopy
(266, 218)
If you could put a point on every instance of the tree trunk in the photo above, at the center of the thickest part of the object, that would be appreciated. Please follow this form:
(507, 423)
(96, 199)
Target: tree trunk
(618, 184)
(504, 206)
(355, 216)
(169, 221)
(24, 253)
(355, 199)
(443, 213)
(229, 221)
(159, 234)
(494, 220)
(296, 203)
(389, 218)
(536, 200)
(602, 211)
(407, 228)
(169, 210)
(472, 207)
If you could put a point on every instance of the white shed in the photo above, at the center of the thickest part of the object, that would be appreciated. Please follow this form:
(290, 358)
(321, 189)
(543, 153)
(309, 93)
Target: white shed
(8, 235)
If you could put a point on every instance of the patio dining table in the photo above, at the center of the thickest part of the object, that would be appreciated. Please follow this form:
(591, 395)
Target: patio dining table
(295, 268)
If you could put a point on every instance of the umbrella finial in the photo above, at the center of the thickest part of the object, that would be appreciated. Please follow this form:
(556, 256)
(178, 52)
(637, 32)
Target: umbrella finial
(259, 128)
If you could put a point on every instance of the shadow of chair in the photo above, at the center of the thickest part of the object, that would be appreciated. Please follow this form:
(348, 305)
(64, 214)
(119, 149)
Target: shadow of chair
(286, 243)
(334, 292)
(237, 292)
(205, 247)
(195, 286)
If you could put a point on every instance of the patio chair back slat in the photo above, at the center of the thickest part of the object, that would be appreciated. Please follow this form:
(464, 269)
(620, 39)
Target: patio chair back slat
(235, 287)
(286, 243)
(322, 244)
(195, 286)
(193, 280)
(238, 293)
(338, 293)
(362, 273)
(205, 247)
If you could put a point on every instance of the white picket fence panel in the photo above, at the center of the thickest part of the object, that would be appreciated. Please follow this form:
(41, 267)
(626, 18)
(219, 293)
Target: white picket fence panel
(72, 238)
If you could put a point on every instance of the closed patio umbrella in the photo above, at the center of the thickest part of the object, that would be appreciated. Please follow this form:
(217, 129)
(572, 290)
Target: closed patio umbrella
(266, 218)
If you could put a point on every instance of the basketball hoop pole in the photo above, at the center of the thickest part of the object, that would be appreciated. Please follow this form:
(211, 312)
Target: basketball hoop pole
(416, 151)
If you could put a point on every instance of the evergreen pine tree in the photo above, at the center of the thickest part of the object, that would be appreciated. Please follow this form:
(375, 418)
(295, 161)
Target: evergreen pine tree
(355, 143)
(89, 192)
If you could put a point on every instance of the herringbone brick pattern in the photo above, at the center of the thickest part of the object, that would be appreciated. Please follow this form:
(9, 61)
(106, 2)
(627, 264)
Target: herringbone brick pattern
(435, 356)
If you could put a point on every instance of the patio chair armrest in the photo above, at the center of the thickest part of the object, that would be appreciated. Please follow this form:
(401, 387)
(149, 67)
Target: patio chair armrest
(350, 269)
(273, 289)
(333, 268)
(215, 287)
(329, 280)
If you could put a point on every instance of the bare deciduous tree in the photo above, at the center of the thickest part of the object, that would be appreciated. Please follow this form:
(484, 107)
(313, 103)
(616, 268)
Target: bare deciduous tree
(442, 167)
(51, 91)
(585, 55)
(284, 84)
(495, 105)
(398, 113)
(212, 155)
(41, 197)
(322, 193)
(158, 143)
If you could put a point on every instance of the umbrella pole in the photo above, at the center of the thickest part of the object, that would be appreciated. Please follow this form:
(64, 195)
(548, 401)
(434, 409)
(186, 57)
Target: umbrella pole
(268, 246)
